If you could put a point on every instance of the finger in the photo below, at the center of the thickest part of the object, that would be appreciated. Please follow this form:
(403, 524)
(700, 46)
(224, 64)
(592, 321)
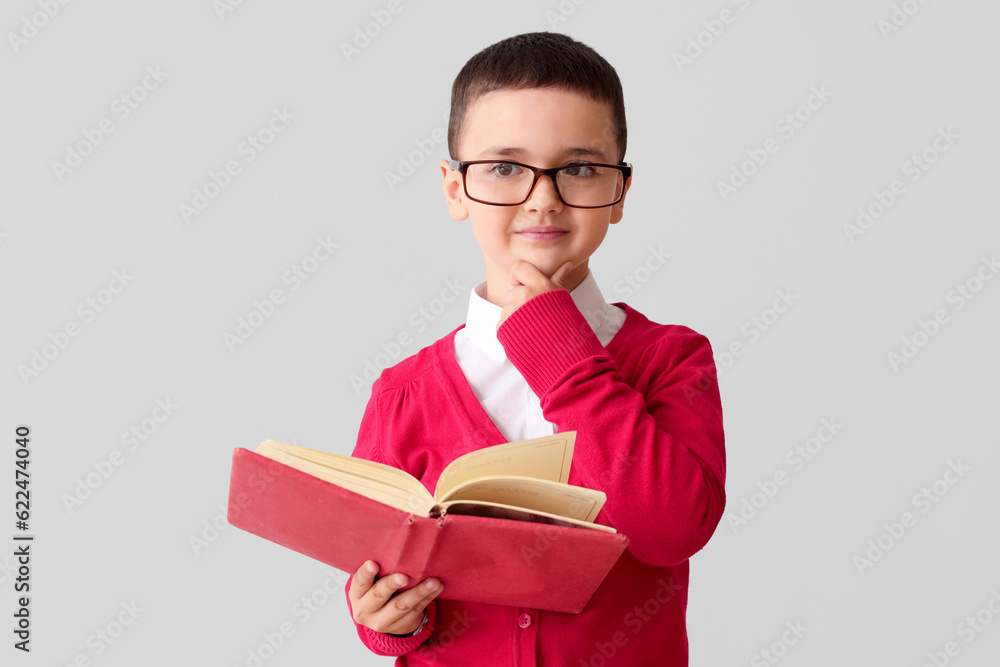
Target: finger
(417, 598)
(525, 273)
(404, 611)
(380, 593)
(362, 581)
(513, 274)
(372, 610)
(517, 294)
(562, 273)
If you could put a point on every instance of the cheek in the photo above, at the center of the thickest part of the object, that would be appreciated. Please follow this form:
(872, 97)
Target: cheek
(491, 233)
(593, 231)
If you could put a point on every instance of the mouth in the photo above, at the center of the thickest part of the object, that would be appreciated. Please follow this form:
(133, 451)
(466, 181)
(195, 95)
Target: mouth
(542, 233)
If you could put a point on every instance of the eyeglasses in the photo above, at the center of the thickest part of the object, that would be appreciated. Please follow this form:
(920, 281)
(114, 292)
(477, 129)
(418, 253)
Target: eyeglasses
(578, 185)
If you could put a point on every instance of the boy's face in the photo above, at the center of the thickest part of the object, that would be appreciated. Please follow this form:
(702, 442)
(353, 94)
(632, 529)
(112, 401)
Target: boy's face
(541, 127)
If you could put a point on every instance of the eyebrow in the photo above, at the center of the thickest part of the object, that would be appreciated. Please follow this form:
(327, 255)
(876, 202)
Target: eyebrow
(515, 151)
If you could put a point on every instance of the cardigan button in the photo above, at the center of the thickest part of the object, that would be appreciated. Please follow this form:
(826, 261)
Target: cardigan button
(524, 620)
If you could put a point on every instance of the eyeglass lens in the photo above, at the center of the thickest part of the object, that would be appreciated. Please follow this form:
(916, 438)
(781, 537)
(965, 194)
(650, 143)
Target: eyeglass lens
(579, 185)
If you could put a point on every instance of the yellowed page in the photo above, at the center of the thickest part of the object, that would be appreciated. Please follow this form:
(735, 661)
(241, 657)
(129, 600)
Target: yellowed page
(377, 481)
(530, 493)
(548, 457)
(498, 511)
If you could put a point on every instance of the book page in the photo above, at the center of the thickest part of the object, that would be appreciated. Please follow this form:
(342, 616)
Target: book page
(497, 511)
(531, 493)
(548, 457)
(377, 481)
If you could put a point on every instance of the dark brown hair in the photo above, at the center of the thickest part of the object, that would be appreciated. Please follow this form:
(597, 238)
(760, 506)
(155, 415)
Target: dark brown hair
(538, 60)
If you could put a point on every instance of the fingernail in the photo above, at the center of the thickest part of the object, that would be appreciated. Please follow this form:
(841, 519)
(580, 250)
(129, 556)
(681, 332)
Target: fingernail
(431, 584)
(400, 579)
(370, 566)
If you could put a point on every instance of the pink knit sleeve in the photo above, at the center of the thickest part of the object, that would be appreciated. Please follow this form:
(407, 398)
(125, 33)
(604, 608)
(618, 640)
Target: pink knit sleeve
(657, 450)
(369, 447)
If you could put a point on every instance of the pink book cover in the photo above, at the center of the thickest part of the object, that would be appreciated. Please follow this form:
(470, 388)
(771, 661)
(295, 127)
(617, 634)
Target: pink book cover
(478, 559)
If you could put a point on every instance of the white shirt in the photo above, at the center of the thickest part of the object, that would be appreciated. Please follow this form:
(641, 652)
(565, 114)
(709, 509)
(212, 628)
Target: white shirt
(500, 388)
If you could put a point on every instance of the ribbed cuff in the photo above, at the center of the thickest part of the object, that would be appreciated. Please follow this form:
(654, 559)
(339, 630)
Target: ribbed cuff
(386, 644)
(545, 337)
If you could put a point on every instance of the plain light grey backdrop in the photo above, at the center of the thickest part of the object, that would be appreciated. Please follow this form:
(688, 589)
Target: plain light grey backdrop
(820, 177)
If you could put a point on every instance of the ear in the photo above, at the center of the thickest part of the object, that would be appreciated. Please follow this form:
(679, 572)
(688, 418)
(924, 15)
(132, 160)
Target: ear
(617, 210)
(454, 192)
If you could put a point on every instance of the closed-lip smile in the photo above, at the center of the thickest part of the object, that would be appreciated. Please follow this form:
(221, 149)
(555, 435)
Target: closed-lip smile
(543, 233)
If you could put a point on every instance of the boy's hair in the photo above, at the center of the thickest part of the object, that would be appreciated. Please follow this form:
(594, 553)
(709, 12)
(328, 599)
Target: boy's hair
(538, 60)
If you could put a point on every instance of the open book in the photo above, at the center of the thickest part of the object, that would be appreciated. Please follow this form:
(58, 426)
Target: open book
(503, 527)
(523, 480)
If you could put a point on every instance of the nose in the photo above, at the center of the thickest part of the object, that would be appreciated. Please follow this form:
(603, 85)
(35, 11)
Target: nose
(543, 196)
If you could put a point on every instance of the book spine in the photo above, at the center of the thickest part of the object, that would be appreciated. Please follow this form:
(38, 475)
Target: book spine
(413, 548)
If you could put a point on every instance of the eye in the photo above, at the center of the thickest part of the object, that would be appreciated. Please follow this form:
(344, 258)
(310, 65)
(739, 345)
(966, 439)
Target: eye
(581, 170)
(504, 169)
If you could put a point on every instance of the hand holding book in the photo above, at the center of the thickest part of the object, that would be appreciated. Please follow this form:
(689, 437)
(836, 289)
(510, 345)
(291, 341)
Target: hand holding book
(379, 604)
(346, 511)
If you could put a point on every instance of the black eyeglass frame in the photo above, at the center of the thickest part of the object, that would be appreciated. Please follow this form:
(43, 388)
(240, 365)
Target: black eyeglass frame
(463, 167)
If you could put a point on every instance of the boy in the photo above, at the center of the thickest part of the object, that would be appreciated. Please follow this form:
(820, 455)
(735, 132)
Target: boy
(538, 129)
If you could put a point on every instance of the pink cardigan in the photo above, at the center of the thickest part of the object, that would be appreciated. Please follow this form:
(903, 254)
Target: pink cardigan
(649, 434)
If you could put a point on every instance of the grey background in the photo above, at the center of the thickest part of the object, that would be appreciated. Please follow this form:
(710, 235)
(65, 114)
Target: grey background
(133, 540)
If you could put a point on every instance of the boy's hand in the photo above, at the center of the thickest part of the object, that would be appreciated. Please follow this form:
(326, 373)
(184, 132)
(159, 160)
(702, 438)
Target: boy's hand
(375, 606)
(528, 282)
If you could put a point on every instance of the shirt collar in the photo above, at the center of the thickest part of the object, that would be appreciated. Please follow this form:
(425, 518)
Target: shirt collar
(481, 321)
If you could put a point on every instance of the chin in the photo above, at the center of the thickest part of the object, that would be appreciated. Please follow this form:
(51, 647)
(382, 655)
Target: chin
(547, 263)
